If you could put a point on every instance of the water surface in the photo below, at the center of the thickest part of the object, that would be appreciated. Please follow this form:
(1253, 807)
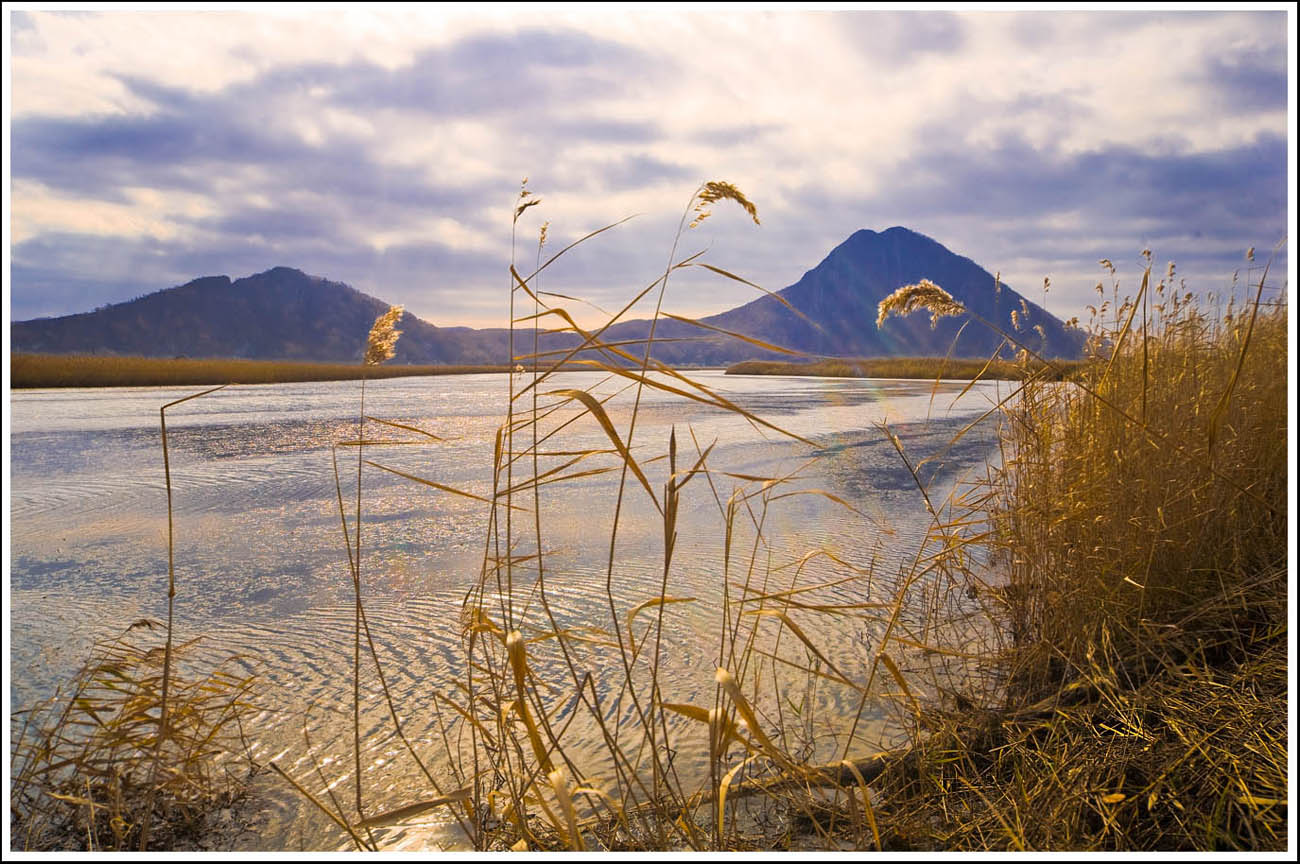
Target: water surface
(262, 569)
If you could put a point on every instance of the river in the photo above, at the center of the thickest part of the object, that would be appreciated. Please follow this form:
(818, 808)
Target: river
(262, 570)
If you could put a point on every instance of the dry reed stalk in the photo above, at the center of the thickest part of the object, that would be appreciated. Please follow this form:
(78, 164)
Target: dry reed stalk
(518, 781)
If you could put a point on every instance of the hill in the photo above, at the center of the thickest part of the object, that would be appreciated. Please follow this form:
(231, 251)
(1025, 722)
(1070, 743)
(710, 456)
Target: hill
(284, 314)
(841, 295)
(281, 314)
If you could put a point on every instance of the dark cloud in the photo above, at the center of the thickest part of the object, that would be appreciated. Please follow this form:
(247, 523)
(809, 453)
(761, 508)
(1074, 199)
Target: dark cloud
(604, 130)
(1014, 201)
(57, 274)
(21, 26)
(632, 172)
(193, 135)
(528, 73)
(1248, 80)
(730, 136)
(898, 37)
(317, 203)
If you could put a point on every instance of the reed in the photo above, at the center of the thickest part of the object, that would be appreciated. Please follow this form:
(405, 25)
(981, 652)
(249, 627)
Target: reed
(85, 763)
(508, 774)
(1122, 575)
(72, 370)
(1137, 532)
(155, 750)
(927, 368)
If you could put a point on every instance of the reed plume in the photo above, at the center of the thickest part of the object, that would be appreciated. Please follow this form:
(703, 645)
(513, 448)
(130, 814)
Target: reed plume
(923, 295)
(381, 345)
(719, 190)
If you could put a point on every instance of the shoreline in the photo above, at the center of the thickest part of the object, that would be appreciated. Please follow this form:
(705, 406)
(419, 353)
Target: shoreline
(66, 371)
(961, 369)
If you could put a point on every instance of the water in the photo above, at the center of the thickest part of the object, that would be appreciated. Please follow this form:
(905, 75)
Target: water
(262, 570)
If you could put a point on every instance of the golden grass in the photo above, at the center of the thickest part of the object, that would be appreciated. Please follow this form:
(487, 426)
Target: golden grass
(74, 370)
(512, 781)
(136, 755)
(928, 368)
(85, 772)
(1138, 534)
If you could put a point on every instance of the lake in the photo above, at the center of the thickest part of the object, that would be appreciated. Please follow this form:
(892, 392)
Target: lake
(262, 569)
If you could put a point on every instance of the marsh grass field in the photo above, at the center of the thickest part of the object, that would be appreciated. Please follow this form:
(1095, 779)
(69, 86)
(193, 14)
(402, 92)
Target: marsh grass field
(1088, 652)
(84, 370)
(929, 368)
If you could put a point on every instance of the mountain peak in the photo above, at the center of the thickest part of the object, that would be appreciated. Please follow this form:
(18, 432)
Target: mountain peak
(205, 283)
(897, 237)
(842, 293)
(282, 270)
(281, 274)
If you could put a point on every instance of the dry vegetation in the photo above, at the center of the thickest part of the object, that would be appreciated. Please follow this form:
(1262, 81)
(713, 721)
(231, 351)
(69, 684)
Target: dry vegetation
(928, 368)
(73, 370)
(1100, 661)
(1137, 537)
(144, 745)
(91, 771)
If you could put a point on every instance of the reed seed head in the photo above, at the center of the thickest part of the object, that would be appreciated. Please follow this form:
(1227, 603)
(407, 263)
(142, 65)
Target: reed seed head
(923, 295)
(382, 342)
(526, 199)
(717, 190)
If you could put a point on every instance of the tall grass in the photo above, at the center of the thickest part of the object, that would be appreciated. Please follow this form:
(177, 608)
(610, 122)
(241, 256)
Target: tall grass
(518, 769)
(1136, 533)
(93, 768)
(1119, 578)
(138, 753)
(906, 367)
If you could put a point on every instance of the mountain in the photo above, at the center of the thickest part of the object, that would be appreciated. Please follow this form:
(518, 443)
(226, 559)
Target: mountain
(288, 315)
(282, 314)
(841, 295)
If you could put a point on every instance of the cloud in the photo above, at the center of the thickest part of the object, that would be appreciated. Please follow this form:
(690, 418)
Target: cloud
(384, 149)
(903, 37)
(1252, 80)
(1033, 213)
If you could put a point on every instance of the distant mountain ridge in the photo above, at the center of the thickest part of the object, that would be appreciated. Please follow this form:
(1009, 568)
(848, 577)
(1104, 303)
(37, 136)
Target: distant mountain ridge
(284, 314)
(281, 314)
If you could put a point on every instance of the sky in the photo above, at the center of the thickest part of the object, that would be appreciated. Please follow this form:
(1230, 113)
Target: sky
(385, 147)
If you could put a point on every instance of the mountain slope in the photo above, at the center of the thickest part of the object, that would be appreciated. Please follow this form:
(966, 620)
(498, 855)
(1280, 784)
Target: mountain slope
(286, 314)
(282, 314)
(841, 295)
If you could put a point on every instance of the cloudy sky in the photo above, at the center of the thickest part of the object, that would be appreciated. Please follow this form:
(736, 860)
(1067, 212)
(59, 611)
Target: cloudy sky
(385, 148)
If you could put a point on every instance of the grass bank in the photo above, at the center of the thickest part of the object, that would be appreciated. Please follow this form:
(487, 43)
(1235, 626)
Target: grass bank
(78, 370)
(902, 367)
(1139, 598)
